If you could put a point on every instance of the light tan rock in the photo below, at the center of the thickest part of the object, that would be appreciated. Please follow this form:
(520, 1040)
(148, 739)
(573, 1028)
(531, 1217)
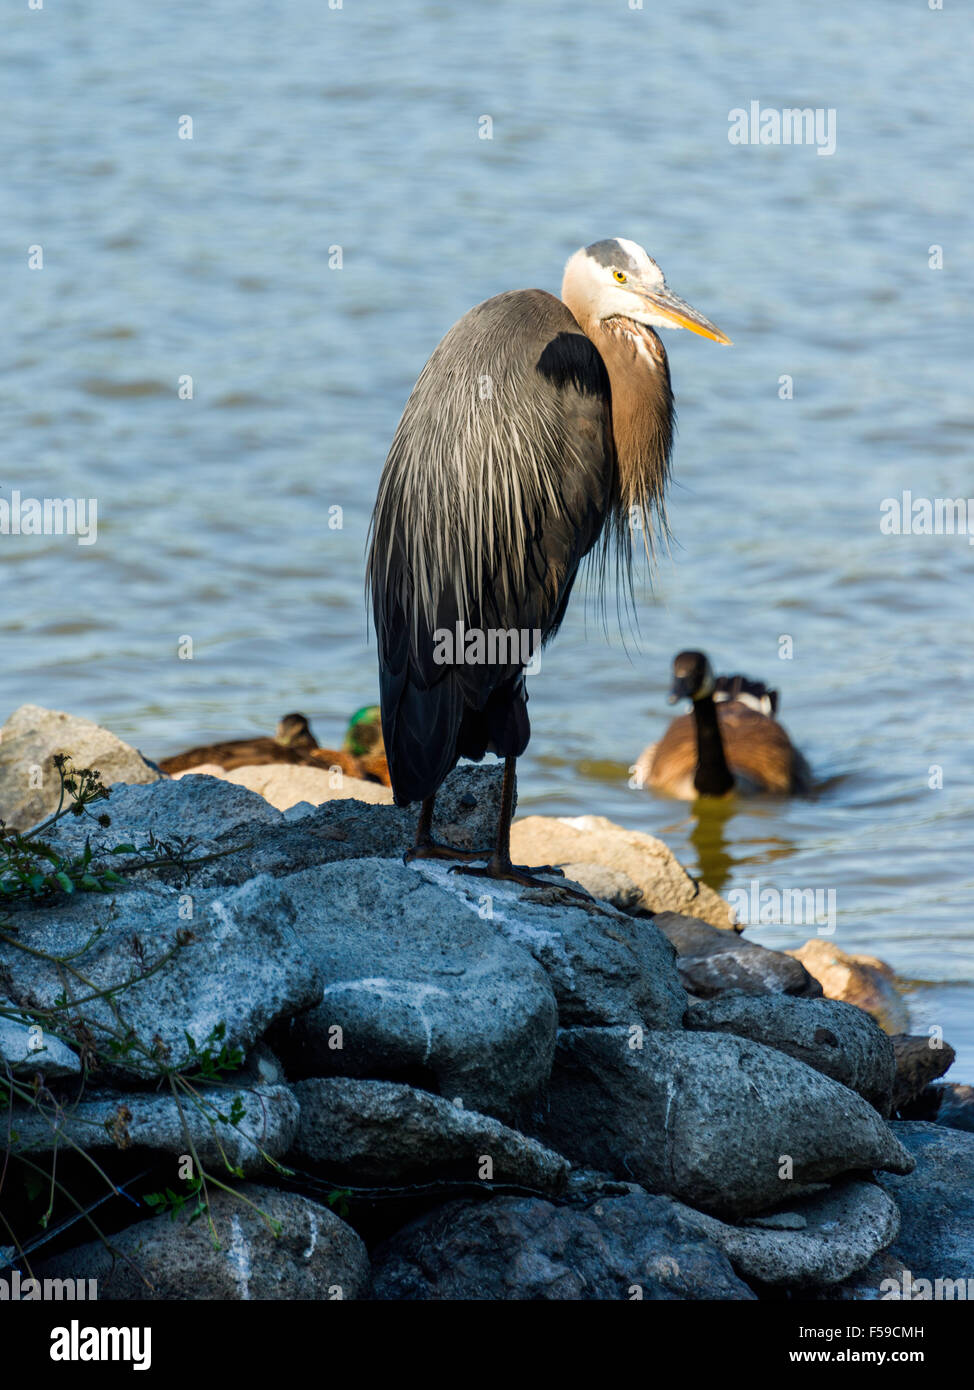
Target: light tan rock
(29, 782)
(861, 980)
(285, 784)
(663, 882)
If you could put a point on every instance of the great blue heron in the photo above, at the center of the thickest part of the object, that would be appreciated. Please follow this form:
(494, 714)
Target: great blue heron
(537, 426)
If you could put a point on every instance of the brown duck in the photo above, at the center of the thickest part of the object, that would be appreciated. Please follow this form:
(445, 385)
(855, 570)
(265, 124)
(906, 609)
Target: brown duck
(730, 742)
(362, 754)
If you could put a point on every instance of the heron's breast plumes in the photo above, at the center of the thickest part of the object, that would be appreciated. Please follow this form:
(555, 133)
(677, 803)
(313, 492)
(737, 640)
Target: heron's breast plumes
(643, 420)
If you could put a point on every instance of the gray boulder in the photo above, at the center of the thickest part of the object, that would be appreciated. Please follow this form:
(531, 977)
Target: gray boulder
(835, 1038)
(604, 966)
(621, 1248)
(714, 962)
(417, 988)
(235, 962)
(115, 1120)
(29, 783)
(818, 1240)
(315, 1256)
(932, 1258)
(380, 1132)
(252, 837)
(727, 1125)
(27, 1049)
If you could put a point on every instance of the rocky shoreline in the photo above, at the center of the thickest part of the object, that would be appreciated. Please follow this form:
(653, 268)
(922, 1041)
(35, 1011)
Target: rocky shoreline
(553, 1099)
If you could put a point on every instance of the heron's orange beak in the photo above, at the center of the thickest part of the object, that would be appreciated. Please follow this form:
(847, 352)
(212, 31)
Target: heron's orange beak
(682, 315)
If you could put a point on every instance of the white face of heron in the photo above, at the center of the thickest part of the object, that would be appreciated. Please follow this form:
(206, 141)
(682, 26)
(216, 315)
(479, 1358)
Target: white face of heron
(617, 279)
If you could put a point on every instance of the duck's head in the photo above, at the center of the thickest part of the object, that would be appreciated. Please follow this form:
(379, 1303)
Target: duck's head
(293, 731)
(693, 678)
(364, 732)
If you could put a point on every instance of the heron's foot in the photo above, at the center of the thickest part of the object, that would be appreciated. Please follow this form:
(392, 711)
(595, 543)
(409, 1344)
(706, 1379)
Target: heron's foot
(433, 849)
(520, 873)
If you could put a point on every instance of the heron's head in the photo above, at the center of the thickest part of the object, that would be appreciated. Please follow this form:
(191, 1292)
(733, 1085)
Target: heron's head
(617, 279)
(692, 677)
(293, 731)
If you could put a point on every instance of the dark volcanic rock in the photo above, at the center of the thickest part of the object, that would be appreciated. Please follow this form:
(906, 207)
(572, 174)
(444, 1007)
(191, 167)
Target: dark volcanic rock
(623, 1248)
(936, 1237)
(714, 962)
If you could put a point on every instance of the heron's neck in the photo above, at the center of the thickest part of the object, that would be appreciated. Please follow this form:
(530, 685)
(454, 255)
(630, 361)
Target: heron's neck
(713, 777)
(642, 411)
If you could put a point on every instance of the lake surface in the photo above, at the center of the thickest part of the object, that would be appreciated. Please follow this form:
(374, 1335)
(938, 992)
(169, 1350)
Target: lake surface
(359, 128)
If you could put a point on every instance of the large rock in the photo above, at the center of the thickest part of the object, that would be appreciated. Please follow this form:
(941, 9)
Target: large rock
(235, 962)
(714, 962)
(621, 1248)
(933, 1255)
(380, 1132)
(835, 1038)
(315, 1256)
(605, 967)
(861, 980)
(919, 1060)
(288, 784)
(725, 1124)
(663, 882)
(417, 988)
(818, 1240)
(266, 1124)
(251, 837)
(27, 1049)
(29, 783)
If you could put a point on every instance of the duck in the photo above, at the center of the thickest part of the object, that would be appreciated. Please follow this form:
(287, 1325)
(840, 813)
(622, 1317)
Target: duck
(362, 754)
(363, 745)
(730, 742)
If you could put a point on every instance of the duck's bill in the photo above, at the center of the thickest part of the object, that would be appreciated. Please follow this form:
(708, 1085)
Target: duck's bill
(683, 315)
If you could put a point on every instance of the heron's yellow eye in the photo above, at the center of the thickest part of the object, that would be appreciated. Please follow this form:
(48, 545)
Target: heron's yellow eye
(618, 275)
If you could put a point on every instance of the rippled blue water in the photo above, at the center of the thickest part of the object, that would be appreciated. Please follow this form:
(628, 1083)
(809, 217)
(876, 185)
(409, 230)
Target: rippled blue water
(358, 127)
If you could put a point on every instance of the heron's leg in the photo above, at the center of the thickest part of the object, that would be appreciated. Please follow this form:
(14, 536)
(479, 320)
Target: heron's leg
(499, 864)
(425, 847)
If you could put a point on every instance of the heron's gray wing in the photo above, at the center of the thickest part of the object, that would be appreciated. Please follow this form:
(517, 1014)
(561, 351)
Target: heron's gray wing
(497, 484)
